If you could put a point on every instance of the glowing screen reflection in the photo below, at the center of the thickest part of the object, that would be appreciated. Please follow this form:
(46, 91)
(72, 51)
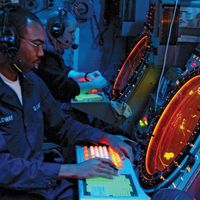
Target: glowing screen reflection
(174, 127)
(130, 65)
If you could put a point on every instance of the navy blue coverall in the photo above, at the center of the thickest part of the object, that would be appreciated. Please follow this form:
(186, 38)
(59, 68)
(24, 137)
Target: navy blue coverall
(22, 131)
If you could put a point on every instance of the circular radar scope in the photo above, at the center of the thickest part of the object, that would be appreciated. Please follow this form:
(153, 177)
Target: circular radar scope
(131, 64)
(172, 134)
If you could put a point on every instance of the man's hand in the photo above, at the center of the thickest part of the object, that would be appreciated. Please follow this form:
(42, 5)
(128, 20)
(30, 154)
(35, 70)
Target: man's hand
(96, 167)
(121, 147)
(97, 80)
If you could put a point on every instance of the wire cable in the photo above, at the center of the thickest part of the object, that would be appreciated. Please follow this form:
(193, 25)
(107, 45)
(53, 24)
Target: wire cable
(165, 55)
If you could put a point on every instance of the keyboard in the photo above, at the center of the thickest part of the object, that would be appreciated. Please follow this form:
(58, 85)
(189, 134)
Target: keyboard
(102, 152)
(124, 186)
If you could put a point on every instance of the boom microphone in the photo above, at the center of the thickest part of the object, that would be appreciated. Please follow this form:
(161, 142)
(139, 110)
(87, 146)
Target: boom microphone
(74, 46)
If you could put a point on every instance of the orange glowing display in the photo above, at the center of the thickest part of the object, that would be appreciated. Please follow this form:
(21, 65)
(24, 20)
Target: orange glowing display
(175, 126)
(130, 65)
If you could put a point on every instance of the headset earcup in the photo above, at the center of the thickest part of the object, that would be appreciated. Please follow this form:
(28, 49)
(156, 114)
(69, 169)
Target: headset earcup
(9, 41)
(57, 30)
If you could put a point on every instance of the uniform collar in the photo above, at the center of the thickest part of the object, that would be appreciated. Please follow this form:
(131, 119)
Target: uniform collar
(8, 96)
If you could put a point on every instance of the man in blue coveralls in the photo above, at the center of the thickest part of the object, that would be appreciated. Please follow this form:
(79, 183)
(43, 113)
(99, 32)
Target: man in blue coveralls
(28, 111)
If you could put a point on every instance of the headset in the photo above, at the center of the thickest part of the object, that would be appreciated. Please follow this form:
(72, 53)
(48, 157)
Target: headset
(58, 27)
(9, 38)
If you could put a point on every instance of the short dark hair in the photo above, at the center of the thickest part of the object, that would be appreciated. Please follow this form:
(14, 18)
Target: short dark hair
(18, 18)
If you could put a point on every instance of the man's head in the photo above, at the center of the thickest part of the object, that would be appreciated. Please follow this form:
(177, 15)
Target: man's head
(60, 29)
(30, 36)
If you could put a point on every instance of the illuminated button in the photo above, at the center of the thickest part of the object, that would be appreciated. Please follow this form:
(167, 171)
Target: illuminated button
(194, 64)
(105, 152)
(101, 152)
(188, 169)
(86, 153)
(94, 91)
(92, 152)
(96, 150)
(115, 158)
